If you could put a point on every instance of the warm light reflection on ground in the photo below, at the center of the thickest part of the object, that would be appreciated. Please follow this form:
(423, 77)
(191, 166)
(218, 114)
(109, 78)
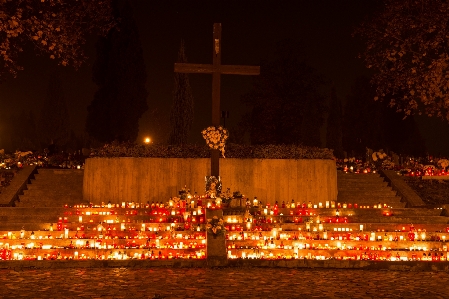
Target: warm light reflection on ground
(221, 283)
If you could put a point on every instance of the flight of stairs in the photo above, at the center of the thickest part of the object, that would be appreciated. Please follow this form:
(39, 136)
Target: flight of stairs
(366, 190)
(372, 190)
(53, 188)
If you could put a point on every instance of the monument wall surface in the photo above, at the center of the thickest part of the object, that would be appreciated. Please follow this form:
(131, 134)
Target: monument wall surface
(158, 179)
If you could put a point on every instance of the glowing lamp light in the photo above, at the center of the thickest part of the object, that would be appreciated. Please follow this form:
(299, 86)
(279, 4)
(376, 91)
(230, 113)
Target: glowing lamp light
(147, 140)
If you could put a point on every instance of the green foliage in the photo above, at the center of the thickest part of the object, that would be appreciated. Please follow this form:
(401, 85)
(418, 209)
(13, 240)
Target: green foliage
(54, 28)
(406, 44)
(196, 151)
(120, 74)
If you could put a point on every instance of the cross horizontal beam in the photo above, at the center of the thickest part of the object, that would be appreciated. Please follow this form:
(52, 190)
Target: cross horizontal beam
(222, 69)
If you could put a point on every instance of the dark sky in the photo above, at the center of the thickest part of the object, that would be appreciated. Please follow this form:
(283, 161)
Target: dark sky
(250, 29)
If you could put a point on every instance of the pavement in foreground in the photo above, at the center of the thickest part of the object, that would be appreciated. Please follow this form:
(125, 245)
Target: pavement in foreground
(221, 283)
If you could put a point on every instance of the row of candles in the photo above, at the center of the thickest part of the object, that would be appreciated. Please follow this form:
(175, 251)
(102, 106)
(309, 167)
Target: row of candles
(350, 236)
(7, 254)
(180, 230)
(132, 208)
(102, 244)
(373, 256)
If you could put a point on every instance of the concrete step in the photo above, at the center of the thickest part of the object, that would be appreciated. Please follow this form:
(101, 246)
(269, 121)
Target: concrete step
(403, 220)
(363, 200)
(27, 218)
(394, 204)
(29, 226)
(359, 177)
(361, 185)
(28, 211)
(375, 192)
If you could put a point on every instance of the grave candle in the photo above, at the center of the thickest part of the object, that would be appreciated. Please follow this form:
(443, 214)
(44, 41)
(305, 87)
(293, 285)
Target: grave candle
(327, 204)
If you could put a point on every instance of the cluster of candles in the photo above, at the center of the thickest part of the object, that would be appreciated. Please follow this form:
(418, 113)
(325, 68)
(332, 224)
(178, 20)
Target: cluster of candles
(106, 232)
(300, 209)
(282, 237)
(6, 254)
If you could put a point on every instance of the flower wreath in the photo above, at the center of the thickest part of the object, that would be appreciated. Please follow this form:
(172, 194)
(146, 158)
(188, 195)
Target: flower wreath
(216, 138)
(215, 226)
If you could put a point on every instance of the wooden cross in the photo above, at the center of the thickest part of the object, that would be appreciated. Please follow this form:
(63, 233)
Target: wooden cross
(216, 69)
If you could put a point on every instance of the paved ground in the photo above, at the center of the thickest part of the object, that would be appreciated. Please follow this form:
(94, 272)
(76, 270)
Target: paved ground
(221, 283)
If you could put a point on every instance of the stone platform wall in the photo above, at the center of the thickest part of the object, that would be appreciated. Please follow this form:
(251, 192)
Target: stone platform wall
(157, 179)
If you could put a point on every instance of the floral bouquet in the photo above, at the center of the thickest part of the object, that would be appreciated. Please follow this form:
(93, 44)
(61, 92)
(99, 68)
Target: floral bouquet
(215, 226)
(184, 193)
(443, 163)
(226, 196)
(216, 138)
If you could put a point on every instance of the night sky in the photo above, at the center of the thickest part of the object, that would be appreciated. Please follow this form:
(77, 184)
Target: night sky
(250, 29)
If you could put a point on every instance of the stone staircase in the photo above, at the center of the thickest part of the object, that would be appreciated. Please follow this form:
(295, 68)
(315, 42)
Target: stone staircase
(53, 188)
(366, 190)
(371, 190)
(43, 200)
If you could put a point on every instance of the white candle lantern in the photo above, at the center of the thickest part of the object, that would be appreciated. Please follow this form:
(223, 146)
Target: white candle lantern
(255, 202)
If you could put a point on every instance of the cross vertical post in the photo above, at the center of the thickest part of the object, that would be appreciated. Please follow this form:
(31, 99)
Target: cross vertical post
(216, 69)
(216, 61)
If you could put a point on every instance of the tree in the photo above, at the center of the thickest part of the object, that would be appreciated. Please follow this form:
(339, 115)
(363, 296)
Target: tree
(55, 127)
(406, 42)
(181, 117)
(56, 28)
(119, 72)
(375, 125)
(287, 105)
(334, 125)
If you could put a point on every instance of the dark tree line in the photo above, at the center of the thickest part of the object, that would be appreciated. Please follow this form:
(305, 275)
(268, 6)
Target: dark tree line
(374, 124)
(119, 72)
(49, 127)
(287, 105)
(290, 100)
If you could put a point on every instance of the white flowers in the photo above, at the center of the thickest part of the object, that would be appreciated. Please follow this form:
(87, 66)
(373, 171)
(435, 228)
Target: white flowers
(215, 225)
(443, 163)
(378, 155)
(216, 138)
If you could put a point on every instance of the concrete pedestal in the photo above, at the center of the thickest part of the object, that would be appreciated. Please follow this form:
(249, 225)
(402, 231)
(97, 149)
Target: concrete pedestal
(216, 245)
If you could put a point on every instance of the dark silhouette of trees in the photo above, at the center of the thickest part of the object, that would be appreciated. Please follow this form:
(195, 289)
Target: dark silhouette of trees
(287, 105)
(120, 74)
(55, 28)
(54, 119)
(334, 134)
(181, 118)
(373, 124)
(406, 44)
